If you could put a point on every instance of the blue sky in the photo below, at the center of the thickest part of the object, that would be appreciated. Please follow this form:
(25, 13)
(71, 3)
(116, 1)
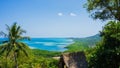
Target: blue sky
(49, 18)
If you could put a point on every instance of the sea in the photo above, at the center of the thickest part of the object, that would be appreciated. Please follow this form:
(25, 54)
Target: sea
(50, 44)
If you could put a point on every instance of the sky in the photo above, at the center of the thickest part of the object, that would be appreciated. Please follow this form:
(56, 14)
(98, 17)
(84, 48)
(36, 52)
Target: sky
(49, 18)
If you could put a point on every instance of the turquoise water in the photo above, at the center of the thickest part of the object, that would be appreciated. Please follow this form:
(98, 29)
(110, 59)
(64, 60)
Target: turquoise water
(50, 44)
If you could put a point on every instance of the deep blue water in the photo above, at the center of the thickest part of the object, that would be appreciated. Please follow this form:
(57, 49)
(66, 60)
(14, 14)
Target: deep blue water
(50, 44)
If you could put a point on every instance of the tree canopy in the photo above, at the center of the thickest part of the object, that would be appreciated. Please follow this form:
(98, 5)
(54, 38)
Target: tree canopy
(13, 48)
(104, 9)
(107, 52)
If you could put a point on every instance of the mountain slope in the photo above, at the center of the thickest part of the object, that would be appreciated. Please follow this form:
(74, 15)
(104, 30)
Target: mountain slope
(90, 41)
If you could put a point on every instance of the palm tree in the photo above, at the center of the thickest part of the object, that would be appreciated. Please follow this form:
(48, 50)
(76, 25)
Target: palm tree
(13, 47)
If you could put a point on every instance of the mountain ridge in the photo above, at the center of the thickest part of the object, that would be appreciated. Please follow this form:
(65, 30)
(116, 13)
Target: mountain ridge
(91, 40)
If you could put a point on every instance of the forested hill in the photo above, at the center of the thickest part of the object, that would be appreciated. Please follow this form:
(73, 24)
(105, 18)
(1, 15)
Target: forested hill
(91, 40)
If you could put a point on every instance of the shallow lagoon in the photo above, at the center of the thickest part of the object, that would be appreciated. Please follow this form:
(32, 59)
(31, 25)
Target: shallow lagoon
(50, 44)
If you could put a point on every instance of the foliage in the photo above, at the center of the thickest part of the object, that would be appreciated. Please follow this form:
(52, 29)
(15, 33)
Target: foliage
(40, 62)
(83, 44)
(16, 54)
(44, 59)
(12, 48)
(107, 53)
(36, 60)
(77, 46)
(104, 9)
(44, 53)
(89, 41)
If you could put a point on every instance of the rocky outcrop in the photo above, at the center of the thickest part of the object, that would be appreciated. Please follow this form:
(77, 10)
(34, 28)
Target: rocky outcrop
(73, 60)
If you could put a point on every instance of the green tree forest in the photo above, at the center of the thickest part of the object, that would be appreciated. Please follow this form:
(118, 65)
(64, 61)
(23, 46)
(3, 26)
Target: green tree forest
(106, 54)
(101, 52)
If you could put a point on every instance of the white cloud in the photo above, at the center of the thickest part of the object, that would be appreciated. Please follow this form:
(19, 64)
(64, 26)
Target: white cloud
(73, 14)
(60, 14)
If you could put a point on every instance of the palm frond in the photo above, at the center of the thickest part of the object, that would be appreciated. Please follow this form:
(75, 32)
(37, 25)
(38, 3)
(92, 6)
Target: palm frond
(8, 28)
(9, 49)
(18, 30)
(24, 38)
(13, 45)
(9, 32)
(13, 29)
(3, 34)
(3, 48)
(6, 48)
(22, 31)
(22, 47)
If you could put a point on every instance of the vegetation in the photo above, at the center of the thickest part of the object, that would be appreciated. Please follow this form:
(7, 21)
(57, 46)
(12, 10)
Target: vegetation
(89, 41)
(44, 53)
(41, 59)
(77, 46)
(12, 48)
(34, 57)
(83, 44)
(44, 59)
(104, 9)
(107, 53)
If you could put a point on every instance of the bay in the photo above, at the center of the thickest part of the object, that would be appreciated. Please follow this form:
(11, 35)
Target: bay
(50, 44)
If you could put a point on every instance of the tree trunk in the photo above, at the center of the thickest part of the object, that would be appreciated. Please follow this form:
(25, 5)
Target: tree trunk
(6, 62)
(15, 60)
